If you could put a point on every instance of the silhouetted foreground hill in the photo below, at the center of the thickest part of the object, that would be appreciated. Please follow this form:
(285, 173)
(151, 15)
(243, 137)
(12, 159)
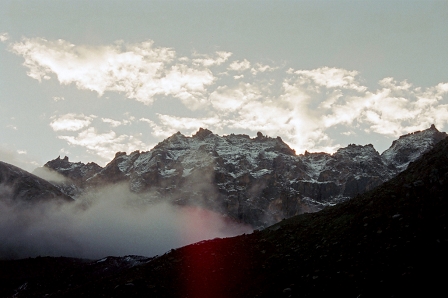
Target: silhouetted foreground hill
(389, 242)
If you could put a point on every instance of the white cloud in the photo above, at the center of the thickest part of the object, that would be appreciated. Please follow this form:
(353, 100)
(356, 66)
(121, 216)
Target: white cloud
(141, 71)
(311, 103)
(305, 107)
(286, 117)
(4, 36)
(239, 65)
(58, 98)
(107, 144)
(227, 99)
(394, 110)
(13, 127)
(261, 68)
(330, 78)
(71, 122)
(115, 123)
(159, 130)
(207, 61)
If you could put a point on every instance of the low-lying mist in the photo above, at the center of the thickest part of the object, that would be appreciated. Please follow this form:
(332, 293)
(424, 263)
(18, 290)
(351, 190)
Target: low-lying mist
(110, 222)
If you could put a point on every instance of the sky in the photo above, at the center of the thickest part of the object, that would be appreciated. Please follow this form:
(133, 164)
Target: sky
(89, 78)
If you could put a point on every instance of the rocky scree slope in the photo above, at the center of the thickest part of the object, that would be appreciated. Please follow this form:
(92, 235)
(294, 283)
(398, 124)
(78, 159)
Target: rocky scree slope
(388, 242)
(257, 180)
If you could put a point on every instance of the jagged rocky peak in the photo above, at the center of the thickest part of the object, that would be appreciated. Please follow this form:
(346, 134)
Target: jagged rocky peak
(410, 147)
(357, 151)
(176, 141)
(58, 163)
(64, 163)
(119, 153)
(77, 172)
(202, 133)
(260, 137)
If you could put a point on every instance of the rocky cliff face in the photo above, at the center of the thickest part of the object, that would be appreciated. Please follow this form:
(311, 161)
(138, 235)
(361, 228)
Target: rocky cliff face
(257, 180)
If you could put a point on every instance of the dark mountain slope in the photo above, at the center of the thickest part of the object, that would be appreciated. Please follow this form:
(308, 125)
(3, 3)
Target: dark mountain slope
(389, 242)
(17, 185)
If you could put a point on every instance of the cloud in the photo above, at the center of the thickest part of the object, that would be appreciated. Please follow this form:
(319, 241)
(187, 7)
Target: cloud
(226, 99)
(141, 71)
(393, 110)
(239, 65)
(106, 144)
(109, 222)
(49, 175)
(158, 130)
(115, 123)
(259, 67)
(308, 108)
(330, 78)
(71, 122)
(4, 37)
(205, 60)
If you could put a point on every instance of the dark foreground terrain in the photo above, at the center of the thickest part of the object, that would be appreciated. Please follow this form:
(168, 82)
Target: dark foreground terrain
(389, 242)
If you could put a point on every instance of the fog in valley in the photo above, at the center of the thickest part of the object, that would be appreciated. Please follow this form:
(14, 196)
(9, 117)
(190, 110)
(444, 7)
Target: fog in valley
(108, 222)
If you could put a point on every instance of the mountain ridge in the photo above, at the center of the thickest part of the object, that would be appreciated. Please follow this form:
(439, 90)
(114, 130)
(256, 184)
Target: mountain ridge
(387, 242)
(258, 180)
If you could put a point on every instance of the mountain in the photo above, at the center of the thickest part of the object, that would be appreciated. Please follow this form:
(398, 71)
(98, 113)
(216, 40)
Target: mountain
(258, 180)
(19, 186)
(388, 242)
(69, 177)
(410, 147)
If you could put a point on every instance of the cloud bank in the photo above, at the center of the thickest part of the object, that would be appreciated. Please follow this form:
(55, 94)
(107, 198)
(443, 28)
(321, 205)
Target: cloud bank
(110, 222)
(310, 109)
(141, 71)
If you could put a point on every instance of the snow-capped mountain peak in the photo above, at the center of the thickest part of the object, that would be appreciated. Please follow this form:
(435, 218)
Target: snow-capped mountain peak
(410, 147)
(257, 180)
